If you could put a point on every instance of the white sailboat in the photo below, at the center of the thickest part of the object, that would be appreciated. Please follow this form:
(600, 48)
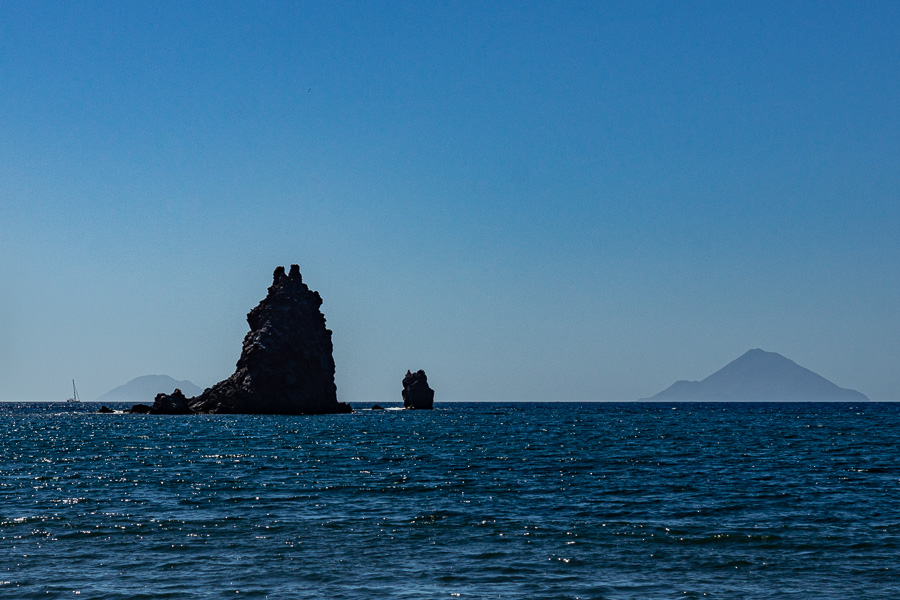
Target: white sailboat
(74, 397)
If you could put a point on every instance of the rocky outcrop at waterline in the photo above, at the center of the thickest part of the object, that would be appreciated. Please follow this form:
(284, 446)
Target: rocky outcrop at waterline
(145, 388)
(171, 404)
(416, 392)
(286, 365)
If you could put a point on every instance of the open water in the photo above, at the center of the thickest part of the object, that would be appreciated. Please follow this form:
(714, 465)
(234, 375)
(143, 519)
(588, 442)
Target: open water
(480, 500)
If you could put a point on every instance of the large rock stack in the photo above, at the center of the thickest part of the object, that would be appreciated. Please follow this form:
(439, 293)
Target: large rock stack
(416, 392)
(286, 365)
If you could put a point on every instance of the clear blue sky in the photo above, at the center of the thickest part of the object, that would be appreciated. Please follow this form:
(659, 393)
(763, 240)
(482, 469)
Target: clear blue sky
(531, 201)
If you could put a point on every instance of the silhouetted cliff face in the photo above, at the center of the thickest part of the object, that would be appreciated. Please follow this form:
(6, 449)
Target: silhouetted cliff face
(286, 365)
(416, 392)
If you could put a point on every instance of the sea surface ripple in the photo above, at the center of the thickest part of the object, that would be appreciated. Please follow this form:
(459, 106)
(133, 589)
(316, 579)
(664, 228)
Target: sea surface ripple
(477, 500)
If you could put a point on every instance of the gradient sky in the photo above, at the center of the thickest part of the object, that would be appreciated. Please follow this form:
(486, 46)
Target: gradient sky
(531, 201)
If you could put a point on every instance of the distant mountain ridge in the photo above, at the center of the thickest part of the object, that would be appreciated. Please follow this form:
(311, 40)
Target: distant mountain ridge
(759, 376)
(146, 387)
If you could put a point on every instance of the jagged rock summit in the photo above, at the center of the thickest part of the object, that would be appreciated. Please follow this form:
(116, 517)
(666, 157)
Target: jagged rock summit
(416, 392)
(759, 376)
(286, 364)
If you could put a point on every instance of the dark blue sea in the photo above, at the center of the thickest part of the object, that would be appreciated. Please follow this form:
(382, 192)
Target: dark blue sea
(480, 500)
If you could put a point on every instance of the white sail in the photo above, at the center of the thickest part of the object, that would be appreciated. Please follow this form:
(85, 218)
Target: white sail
(74, 397)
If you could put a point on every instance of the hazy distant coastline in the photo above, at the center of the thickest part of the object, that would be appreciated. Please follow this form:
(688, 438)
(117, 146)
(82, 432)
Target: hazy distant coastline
(146, 387)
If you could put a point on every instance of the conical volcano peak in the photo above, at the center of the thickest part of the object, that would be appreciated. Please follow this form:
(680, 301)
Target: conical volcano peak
(760, 376)
(758, 355)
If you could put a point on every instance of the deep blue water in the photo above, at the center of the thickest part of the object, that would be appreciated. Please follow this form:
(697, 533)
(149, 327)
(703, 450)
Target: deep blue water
(477, 500)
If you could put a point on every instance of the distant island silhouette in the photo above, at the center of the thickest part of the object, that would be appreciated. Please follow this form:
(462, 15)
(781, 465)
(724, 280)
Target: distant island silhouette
(759, 376)
(145, 388)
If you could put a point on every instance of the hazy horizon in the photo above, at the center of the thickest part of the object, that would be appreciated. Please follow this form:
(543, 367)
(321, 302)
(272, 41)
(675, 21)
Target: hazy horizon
(575, 201)
(151, 388)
